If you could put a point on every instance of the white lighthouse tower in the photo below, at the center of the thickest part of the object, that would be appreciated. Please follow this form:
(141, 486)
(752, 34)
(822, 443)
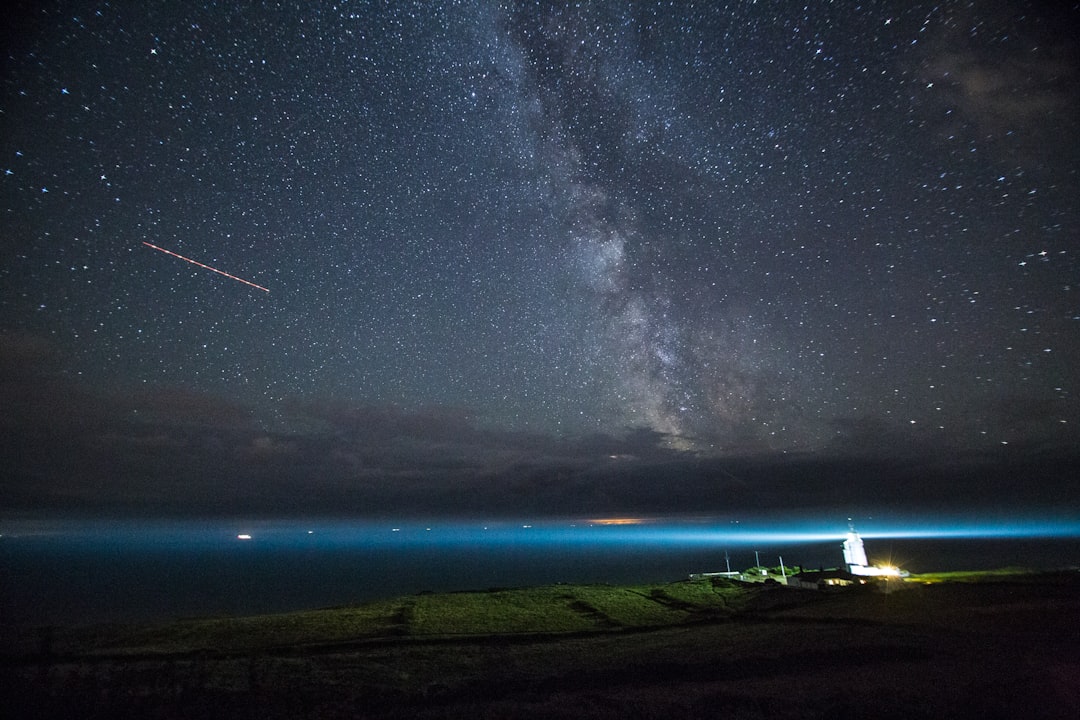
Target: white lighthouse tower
(855, 555)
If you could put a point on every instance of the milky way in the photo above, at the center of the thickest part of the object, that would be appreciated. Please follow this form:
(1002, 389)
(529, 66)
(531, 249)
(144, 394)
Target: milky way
(749, 228)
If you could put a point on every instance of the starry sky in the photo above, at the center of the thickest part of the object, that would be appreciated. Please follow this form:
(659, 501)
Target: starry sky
(538, 257)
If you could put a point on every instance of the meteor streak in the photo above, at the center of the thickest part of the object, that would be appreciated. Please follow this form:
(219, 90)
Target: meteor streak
(207, 267)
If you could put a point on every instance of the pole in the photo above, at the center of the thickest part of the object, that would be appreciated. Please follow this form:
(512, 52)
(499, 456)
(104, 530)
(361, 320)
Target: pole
(783, 572)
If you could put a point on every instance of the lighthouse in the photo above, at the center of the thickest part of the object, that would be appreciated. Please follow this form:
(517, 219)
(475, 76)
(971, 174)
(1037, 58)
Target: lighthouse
(857, 564)
(855, 554)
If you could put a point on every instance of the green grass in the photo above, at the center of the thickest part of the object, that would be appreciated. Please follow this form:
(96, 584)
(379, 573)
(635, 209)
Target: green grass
(537, 610)
(562, 609)
(547, 610)
(243, 633)
(555, 609)
(970, 576)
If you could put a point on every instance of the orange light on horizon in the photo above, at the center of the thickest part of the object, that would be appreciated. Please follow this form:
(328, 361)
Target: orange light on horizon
(619, 521)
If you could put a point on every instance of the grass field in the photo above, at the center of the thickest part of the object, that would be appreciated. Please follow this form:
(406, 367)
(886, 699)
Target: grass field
(1000, 575)
(975, 645)
(556, 609)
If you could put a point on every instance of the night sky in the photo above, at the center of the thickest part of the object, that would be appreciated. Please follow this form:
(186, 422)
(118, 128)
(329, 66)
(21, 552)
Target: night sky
(624, 257)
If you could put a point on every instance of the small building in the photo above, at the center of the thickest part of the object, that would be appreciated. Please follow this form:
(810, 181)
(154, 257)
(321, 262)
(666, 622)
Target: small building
(730, 575)
(825, 579)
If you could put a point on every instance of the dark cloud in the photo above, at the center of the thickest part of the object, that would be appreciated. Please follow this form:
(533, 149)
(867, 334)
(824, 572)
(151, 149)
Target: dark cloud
(174, 450)
(176, 406)
(997, 75)
(168, 451)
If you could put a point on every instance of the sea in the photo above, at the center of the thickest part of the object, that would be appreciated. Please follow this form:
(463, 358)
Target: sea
(78, 572)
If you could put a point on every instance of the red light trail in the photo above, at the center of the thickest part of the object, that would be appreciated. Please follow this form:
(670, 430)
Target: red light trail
(207, 267)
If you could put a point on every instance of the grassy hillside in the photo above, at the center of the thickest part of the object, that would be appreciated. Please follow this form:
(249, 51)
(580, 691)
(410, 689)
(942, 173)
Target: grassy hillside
(1005, 646)
(555, 609)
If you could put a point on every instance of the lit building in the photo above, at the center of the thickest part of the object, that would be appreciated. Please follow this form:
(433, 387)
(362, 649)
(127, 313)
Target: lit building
(857, 564)
(855, 554)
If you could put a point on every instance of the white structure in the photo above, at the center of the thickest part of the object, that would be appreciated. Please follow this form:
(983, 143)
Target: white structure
(857, 564)
(855, 554)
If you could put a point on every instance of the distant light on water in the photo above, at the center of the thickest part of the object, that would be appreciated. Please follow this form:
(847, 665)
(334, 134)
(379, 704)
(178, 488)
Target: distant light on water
(598, 532)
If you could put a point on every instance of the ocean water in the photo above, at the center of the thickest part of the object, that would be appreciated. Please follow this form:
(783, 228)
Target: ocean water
(66, 573)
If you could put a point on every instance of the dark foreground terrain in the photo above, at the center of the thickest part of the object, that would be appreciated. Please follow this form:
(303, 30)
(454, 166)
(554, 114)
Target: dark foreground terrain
(1006, 646)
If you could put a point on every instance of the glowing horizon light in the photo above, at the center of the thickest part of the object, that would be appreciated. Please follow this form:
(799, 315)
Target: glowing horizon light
(695, 532)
